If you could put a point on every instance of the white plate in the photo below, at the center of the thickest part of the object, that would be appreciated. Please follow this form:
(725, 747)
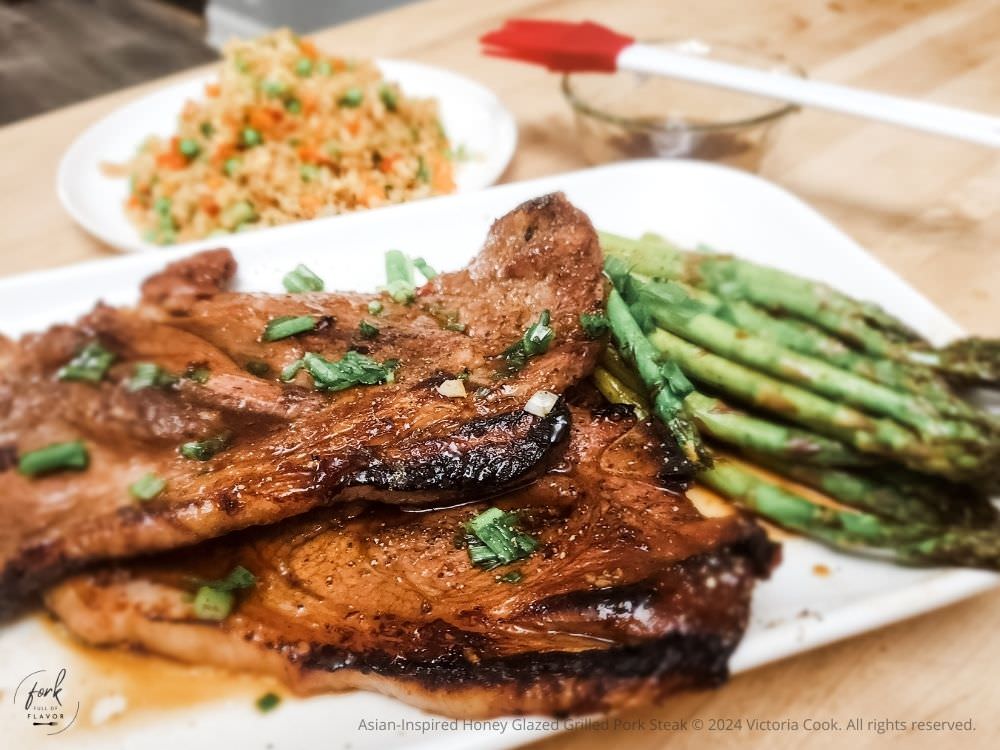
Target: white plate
(690, 201)
(471, 114)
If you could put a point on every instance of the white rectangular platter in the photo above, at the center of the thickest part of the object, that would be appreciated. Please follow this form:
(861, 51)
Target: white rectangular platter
(691, 202)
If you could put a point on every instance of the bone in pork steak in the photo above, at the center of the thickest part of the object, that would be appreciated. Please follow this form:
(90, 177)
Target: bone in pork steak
(631, 594)
(291, 447)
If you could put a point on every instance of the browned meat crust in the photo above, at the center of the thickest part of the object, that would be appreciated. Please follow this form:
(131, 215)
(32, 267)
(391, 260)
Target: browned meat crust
(292, 448)
(632, 594)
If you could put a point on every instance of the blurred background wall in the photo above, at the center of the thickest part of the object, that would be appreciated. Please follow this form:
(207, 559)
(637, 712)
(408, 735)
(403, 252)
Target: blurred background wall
(57, 52)
(226, 18)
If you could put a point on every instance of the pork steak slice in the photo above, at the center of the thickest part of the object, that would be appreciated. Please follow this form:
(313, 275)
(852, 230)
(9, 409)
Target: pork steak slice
(631, 594)
(290, 447)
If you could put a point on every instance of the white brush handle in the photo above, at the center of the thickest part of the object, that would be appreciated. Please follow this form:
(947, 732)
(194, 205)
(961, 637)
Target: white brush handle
(908, 113)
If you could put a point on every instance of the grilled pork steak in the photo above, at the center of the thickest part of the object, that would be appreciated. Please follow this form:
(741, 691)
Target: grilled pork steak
(631, 594)
(283, 448)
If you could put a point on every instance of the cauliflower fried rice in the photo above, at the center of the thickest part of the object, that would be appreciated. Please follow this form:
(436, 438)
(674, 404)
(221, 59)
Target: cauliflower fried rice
(286, 133)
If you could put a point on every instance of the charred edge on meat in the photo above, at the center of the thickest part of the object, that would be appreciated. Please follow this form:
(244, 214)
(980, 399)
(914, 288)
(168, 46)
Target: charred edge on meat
(490, 462)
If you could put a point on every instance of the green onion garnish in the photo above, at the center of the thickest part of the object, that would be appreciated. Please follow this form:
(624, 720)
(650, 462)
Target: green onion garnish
(374, 307)
(55, 457)
(288, 325)
(351, 370)
(303, 67)
(214, 600)
(207, 129)
(513, 576)
(198, 374)
(425, 268)
(273, 89)
(202, 450)
(493, 539)
(90, 364)
(189, 148)
(147, 487)
(210, 604)
(149, 375)
(237, 214)
(594, 325)
(293, 106)
(309, 172)
(367, 330)
(231, 166)
(291, 370)
(268, 702)
(352, 98)
(324, 68)
(249, 137)
(399, 277)
(536, 340)
(301, 279)
(388, 97)
(423, 172)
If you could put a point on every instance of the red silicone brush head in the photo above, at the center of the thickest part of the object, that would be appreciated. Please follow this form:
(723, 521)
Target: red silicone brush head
(560, 46)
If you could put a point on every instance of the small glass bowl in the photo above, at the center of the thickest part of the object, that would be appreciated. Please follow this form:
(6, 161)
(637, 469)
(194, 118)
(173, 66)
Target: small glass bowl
(628, 115)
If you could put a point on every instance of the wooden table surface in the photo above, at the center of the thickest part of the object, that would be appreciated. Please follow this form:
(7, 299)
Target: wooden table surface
(930, 209)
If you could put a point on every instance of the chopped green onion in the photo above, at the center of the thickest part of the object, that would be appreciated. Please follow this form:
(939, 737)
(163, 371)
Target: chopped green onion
(288, 372)
(162, 206)
(536, 340)
(309, 172)
(539, 336)
(238, 213)
(493, 539)
(293, 106)
(72, 455)
(425, 268)
(351, 370)
(399, 277)
(250, 137)
(423, 172)
(388, 97)
(149, 375)
(375, 307)
(231, 166)
(212, 604)
(258, 368)
(207, 129)
(147, 487)
(90, 364)
(351, 98)
(274, 89)
(202, 450)
(214, 600)
(367, 330)
(513, 576)
(303, 67)
(594, 325)
(288, 325)
(301, 279)
(198, 374)
(189, 148)
(268, 702)
(324, 68)
(238, 578)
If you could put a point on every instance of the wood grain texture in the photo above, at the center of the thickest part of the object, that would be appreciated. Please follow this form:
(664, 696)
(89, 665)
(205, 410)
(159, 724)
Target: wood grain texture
(56, 52)
(929, 208)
